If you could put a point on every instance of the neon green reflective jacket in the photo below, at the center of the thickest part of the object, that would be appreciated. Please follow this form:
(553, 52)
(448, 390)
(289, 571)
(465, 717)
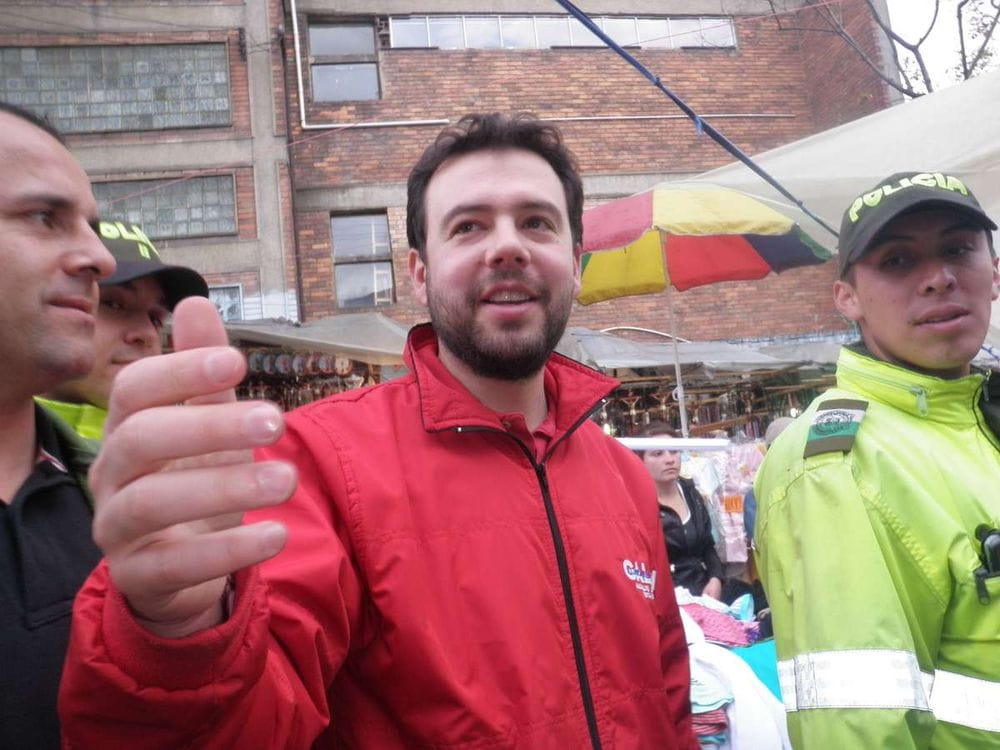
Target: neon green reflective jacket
(869, 560)
(86, 419)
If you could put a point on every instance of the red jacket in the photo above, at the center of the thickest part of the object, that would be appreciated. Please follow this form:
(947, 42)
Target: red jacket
(439, 589)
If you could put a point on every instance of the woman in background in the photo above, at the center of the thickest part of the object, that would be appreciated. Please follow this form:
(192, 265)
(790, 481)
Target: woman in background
(687, 527)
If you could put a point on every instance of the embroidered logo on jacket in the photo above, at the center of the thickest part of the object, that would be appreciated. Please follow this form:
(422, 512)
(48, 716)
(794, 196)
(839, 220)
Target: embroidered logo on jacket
(645, 580)
(834, 426)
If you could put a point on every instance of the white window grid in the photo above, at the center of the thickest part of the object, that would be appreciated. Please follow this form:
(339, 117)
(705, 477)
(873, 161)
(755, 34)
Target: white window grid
(580, 36)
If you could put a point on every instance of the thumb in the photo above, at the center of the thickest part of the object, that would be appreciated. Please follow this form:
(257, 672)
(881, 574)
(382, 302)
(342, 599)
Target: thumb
(196, 323)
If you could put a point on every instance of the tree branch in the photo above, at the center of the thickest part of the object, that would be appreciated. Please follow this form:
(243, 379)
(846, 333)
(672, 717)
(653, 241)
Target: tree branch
(906, 89)
(987, 38)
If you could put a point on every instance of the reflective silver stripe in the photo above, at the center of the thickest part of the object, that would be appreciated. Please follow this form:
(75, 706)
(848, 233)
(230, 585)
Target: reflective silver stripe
(853, 679)
(968, 701)
(887, 679)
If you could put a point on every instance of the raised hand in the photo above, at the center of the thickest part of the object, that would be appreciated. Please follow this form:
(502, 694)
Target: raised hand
(176, 474)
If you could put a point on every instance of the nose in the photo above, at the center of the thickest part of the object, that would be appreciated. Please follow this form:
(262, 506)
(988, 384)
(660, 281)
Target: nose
(507, 247)
(141, 332)
(91, 257)
(940, 278)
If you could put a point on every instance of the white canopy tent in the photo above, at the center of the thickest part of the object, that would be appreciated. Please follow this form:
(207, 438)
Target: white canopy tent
(608, 352)
(367, 337)
(956, 130)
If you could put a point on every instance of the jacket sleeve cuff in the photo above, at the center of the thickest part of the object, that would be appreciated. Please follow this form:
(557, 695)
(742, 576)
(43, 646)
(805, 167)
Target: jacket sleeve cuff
(183, 663)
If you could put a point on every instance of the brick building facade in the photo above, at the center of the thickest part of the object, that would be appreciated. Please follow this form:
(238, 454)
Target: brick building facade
(188, 116)
(761, 84)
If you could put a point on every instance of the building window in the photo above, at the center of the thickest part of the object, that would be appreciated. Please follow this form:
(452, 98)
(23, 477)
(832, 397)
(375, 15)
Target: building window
(362, 260)
(343, 62)
(542, 32)
(228, 301)
(104, 88)
(168, 209)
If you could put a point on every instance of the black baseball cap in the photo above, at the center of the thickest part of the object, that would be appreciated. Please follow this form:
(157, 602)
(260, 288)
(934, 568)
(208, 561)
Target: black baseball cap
(899, 194)
(136, 257)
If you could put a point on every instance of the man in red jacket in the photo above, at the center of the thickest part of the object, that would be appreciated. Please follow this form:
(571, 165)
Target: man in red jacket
(465, 559)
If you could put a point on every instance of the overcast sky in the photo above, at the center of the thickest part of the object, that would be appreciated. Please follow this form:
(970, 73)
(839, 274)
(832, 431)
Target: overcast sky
(910, 18)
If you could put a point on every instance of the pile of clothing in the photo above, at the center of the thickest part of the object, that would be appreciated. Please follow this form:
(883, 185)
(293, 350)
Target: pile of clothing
(726, 624)
(732, 708)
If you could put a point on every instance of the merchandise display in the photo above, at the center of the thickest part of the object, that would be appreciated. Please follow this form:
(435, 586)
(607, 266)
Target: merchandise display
(294, 378)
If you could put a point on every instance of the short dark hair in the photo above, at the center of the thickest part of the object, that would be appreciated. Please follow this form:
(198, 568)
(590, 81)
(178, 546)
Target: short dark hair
(657, 427)
(653, 429)
(39, 121)
(479, 132)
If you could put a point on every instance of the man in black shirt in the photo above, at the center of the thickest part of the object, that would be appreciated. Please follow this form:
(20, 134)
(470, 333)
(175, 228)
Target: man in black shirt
(51, 260)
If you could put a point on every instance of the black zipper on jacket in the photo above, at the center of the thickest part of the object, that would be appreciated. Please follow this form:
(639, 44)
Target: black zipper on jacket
(557, 542)
(574, 627)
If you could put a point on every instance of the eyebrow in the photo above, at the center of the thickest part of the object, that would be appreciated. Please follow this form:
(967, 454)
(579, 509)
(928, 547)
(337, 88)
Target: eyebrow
(57, 202)
(49, 199)
(537, 205)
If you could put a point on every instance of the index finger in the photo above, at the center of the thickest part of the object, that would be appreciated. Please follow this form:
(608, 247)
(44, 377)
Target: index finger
(205, 375)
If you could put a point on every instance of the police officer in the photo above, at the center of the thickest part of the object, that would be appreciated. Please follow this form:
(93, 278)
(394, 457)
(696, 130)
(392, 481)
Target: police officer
(887, 625)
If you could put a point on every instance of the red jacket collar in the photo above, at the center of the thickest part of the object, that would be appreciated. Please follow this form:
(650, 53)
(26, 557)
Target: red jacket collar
(572, 389)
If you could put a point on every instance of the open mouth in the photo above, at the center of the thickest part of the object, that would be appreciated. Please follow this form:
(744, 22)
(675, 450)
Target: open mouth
(509, 298)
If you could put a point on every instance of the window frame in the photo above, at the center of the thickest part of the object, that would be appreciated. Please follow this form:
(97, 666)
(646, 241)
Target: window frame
(167, 181)
(371, 58)
(238, 286)
(579, 37)
(365, 260)
(108, 105)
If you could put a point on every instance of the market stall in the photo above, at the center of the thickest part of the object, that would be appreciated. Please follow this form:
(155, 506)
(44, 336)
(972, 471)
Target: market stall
(293, 364)
(735, 389)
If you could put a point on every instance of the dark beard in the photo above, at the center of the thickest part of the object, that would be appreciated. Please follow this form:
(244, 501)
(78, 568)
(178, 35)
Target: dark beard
(515, 360)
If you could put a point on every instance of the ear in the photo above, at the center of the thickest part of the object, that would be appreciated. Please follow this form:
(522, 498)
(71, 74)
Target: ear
(845, 299)
(418, 276)
(996, 278)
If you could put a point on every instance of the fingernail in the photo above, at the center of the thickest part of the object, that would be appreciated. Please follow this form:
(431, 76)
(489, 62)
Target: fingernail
(275, 479)
(221, 367)
(262, 424)
(272, 537)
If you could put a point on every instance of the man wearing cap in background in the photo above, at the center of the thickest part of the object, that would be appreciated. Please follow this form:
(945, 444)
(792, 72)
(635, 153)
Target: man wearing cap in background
(135, 303)
(874, 504)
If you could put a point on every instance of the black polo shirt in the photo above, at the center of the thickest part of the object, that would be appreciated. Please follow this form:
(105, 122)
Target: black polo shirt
(46, 552)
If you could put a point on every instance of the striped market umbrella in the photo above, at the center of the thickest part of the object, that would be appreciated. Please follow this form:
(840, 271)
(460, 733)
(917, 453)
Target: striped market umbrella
(681, 235)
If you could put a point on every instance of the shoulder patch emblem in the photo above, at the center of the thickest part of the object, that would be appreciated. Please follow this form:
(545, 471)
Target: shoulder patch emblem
(834, 426)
